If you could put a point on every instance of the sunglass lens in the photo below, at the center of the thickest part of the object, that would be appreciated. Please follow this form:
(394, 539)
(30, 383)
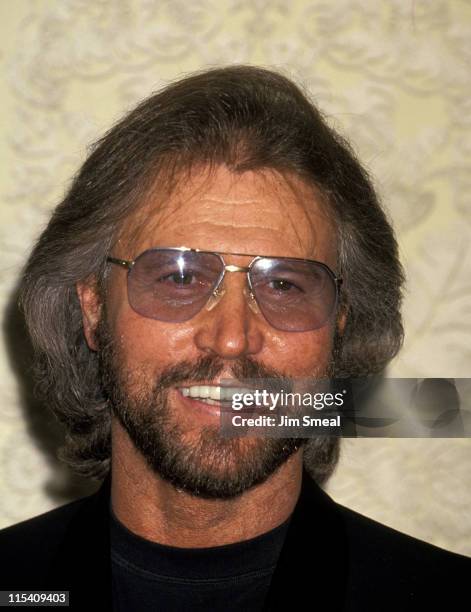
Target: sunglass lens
(172, 285)
(294, 295)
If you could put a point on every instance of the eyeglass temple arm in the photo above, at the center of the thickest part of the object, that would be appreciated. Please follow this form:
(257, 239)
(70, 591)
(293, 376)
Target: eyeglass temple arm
(120, 262)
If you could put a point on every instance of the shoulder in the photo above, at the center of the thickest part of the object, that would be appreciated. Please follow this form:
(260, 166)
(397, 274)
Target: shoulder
(372, 540)
(47, 525)
(374, 563)
(30, 547)
(382, 560)
(369, 542)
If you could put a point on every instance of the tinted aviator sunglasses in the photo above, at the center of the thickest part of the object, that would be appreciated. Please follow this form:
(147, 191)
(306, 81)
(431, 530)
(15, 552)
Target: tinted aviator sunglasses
(175, 284)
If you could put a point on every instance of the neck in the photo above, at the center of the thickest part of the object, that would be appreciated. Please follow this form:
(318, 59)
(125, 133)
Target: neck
(155, 510)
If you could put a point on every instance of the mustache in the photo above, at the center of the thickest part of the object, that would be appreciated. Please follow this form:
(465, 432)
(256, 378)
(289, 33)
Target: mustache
(206, 369)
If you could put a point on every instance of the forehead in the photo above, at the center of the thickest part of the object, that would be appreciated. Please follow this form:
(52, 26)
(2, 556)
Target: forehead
(258, 212)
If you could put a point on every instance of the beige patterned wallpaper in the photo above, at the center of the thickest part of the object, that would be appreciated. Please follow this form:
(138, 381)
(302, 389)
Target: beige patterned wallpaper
(394, 75)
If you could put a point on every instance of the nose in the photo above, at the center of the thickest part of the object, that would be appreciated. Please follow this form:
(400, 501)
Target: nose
(230, 329)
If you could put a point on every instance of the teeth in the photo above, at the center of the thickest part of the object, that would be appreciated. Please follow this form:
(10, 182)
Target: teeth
(208, 400)
(212, 393)
(194, 391)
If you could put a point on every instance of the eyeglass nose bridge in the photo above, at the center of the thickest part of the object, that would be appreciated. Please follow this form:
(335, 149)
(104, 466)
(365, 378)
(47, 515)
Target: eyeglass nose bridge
(218, 291)
(234, 268)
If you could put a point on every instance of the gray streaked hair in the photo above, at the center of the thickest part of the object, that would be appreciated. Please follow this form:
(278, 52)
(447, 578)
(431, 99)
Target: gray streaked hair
(246, 118)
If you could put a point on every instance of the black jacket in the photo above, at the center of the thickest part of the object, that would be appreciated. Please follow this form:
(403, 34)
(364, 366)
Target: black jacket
(332, 559)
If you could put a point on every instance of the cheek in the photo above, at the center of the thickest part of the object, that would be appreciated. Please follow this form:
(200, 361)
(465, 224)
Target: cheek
(142, 343)
(149, 345)
(300, 354)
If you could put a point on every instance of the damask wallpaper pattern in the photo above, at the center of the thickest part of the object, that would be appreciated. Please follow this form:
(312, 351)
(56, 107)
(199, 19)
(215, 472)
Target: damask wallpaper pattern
(394, 76)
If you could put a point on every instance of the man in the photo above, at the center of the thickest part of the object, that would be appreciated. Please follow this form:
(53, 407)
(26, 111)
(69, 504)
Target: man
(220, 231)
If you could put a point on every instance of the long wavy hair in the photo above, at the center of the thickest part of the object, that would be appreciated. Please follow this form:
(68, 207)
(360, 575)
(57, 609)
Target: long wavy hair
(247, 118)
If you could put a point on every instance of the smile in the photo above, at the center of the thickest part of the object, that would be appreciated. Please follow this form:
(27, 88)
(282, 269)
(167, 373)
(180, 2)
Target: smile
(212, 394)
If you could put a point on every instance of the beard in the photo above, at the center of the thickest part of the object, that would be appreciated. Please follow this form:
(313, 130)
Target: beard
(198, 460)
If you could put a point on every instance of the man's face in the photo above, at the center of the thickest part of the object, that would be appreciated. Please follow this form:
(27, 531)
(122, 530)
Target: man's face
(146, 362)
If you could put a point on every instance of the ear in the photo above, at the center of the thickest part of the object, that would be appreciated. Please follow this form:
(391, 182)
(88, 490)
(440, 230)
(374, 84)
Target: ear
(342, 320)
(90, 303)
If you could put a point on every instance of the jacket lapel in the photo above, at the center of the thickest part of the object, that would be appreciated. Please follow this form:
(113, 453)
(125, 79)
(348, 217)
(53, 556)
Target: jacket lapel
(312, 569)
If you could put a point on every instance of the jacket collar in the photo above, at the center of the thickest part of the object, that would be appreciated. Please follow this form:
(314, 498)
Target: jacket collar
(312, 566)
(82, 564)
